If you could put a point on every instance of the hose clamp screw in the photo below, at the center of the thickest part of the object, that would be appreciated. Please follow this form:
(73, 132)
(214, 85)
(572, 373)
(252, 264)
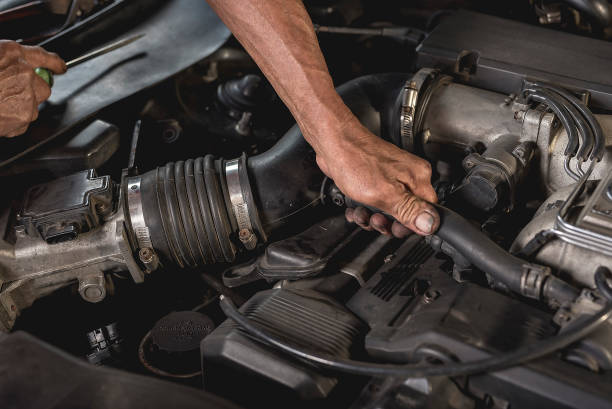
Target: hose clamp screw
(247, 238)
(148, 257)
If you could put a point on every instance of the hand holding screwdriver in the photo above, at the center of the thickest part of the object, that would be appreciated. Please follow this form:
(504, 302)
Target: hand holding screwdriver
(21, 91)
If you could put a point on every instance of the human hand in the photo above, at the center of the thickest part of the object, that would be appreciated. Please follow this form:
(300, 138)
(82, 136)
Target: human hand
(377, 173)
(21, 90)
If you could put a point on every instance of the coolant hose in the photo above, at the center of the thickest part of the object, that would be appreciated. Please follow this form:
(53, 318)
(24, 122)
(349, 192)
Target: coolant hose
(507, 270)
(514, 273)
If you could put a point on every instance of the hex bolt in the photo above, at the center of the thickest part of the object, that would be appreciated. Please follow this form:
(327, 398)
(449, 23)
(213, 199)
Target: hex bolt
(148, 257)
(92, 288)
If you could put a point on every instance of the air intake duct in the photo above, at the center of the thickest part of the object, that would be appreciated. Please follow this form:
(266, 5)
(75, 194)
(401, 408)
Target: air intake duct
(191, 214)
(206, 210)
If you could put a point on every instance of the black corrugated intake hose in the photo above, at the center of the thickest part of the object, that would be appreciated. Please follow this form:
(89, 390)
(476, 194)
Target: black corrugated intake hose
(186, 205)
(185, 209)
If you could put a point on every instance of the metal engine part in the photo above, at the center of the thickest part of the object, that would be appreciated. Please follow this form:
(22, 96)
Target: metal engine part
(579, 262)
(465, 117)
(204, 211)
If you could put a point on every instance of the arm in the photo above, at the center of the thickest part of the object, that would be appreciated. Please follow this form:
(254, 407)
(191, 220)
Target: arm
(21, 90)
(280, 37)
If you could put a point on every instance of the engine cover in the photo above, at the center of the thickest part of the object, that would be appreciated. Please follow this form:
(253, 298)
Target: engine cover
(417, 312)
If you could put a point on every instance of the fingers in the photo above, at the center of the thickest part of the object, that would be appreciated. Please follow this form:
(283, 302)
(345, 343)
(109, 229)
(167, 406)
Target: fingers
(38, 57)
(381, 223)
(42, 91)
(361, 217)
(367, 221)
(400, 231)
(416, 214)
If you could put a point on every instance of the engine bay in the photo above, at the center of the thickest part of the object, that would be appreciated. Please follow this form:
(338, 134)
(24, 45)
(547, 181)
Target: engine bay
(169, 240)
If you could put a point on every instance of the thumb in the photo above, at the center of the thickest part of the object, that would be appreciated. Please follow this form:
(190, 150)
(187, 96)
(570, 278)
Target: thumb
(416, 214)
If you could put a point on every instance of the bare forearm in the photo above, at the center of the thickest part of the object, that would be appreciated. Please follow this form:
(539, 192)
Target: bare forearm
(279, 35)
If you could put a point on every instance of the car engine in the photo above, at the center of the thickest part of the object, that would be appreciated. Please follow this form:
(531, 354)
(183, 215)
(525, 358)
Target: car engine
(169, 240)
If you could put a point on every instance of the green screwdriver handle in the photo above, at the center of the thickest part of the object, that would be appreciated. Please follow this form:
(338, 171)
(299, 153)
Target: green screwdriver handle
(45, 74)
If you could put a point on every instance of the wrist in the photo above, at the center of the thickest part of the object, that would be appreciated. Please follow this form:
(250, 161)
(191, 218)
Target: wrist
(335, 131)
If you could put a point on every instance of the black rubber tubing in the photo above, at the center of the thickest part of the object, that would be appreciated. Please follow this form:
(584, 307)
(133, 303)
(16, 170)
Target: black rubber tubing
(600, 141)
(487, 256)
(493, 363)
(565, 118)
(479, 249)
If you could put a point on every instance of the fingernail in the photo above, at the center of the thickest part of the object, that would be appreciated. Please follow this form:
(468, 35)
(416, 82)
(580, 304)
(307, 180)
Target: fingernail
(424, 222)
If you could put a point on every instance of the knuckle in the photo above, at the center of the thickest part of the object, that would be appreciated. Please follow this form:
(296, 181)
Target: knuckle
(406, 208)
(9, 49)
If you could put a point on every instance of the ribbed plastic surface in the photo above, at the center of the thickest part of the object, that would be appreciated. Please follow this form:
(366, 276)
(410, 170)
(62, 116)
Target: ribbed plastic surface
(306, 322)
(394, 279)
(302, 318)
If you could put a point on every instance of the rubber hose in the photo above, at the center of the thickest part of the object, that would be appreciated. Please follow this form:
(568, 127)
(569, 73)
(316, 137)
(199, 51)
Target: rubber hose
(184, 207)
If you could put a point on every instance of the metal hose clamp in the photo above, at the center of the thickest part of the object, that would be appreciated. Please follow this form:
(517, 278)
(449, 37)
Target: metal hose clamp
(239, 203)
(411, 96)
(134, 201)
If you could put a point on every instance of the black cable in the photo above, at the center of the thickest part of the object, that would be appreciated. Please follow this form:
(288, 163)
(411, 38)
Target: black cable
(600, 141)
(588, 139)
(501, 361)
(563, 115)
(601, 282)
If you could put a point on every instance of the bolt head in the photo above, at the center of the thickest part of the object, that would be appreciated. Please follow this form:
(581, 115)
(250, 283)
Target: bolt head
(146, 255)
